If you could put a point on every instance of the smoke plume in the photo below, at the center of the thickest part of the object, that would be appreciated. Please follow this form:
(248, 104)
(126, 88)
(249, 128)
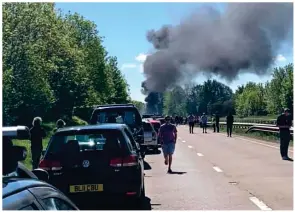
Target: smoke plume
(245, 37)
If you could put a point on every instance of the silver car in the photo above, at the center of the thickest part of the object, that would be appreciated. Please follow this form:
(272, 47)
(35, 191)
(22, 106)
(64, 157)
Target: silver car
(150, 136)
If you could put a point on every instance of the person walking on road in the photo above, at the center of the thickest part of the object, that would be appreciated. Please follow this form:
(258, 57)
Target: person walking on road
(284, 122)
(204, 122)
(191, 123)
(37, 134)
(229, 124)
(168, 137)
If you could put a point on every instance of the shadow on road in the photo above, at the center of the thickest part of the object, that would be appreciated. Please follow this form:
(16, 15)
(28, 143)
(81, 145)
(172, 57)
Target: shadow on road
(145, 205)
(180, 173)
(146, 166)
(151, 152)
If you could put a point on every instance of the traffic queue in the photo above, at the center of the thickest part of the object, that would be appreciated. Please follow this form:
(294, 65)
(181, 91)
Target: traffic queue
(82, 166)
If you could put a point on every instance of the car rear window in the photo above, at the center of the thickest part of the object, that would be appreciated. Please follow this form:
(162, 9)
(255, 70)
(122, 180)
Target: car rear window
(156, 126)
(99, 140)
(147, 126)
(127, 116)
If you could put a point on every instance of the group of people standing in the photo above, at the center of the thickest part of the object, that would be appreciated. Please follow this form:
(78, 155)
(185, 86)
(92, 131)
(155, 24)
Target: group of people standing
(37, 135)
(203, 120)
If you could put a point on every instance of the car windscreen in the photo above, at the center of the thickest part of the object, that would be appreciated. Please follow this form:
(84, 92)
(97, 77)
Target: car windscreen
(111, 141)
(147, 126)
(128, 116)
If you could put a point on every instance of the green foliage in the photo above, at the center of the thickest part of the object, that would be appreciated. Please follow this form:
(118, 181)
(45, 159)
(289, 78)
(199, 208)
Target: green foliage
(76, 121)
(248, 100)
(139, 105)
(53, 63)
(210, 97)
(251, 101)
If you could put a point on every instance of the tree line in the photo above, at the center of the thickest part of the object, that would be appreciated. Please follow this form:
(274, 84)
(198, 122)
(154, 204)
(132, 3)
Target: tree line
(252, 99)
(53, 62)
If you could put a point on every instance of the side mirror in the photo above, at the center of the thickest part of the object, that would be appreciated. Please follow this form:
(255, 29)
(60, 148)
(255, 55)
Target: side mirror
(41, 174)
(20, 153)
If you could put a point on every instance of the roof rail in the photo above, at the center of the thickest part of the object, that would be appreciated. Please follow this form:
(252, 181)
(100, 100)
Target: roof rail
(109, 105)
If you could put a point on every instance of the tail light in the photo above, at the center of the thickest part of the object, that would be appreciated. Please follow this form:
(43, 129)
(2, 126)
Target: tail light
(50, 165)
(124, 162)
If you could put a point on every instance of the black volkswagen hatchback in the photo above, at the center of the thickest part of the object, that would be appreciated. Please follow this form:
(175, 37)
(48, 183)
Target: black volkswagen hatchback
(95, 163)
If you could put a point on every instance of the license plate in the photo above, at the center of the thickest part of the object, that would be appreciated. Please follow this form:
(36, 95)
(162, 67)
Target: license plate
(86, 188)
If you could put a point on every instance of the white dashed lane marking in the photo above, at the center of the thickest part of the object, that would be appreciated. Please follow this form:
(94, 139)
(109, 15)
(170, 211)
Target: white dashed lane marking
(260, 204)
(200, 154)
(190, 147)
(183, 141)
(216, 168)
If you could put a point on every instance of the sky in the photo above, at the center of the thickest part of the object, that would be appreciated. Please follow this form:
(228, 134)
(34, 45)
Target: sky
(124, 27)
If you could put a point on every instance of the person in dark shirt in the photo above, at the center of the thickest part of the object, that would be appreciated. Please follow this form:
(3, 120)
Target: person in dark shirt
(229, 124)
(168, 138)
(37, 134)
(284, 122)
(217, 122)
(191, 123)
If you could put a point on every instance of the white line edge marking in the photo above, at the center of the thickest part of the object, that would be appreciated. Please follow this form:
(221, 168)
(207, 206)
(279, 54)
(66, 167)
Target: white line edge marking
(216, 168)
(256, 142)
(200, 154)
(183, 141)
(260, 204)
(190, 147)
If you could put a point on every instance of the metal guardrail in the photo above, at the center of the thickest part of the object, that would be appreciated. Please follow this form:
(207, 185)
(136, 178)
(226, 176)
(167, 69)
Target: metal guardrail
(254, 127)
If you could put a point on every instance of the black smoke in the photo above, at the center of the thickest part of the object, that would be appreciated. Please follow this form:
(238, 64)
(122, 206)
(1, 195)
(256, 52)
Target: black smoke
(246, 37)
(154, 101)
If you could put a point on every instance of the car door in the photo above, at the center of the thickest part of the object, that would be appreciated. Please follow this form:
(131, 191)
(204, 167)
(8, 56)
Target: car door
(23, 200)
(52, 199)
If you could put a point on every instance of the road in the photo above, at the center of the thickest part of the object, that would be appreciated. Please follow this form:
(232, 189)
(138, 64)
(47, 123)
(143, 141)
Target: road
(220, 173)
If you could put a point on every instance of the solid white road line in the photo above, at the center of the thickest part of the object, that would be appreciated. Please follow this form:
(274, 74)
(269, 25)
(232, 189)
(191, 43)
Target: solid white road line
(200, 154)
(256, 142)
(190, 147)
(183, 141)
(217, 169)
(260, 204)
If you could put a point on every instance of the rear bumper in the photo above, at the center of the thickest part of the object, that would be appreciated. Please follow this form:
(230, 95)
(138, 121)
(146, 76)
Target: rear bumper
(150, 143)
(111, 191)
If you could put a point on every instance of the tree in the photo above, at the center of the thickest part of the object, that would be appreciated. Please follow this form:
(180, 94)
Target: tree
(53, 63)
(139, 105)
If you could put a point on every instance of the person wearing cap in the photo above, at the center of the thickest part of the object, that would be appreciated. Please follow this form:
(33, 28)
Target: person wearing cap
(37, 134)
(168, 137)
(204, 122)
(284, 122)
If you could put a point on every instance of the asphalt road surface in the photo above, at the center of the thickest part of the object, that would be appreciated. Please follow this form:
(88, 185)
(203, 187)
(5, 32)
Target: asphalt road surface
(214, 172)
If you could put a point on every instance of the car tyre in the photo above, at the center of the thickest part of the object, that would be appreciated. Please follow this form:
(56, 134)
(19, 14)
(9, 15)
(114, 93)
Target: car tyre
(140, 199)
